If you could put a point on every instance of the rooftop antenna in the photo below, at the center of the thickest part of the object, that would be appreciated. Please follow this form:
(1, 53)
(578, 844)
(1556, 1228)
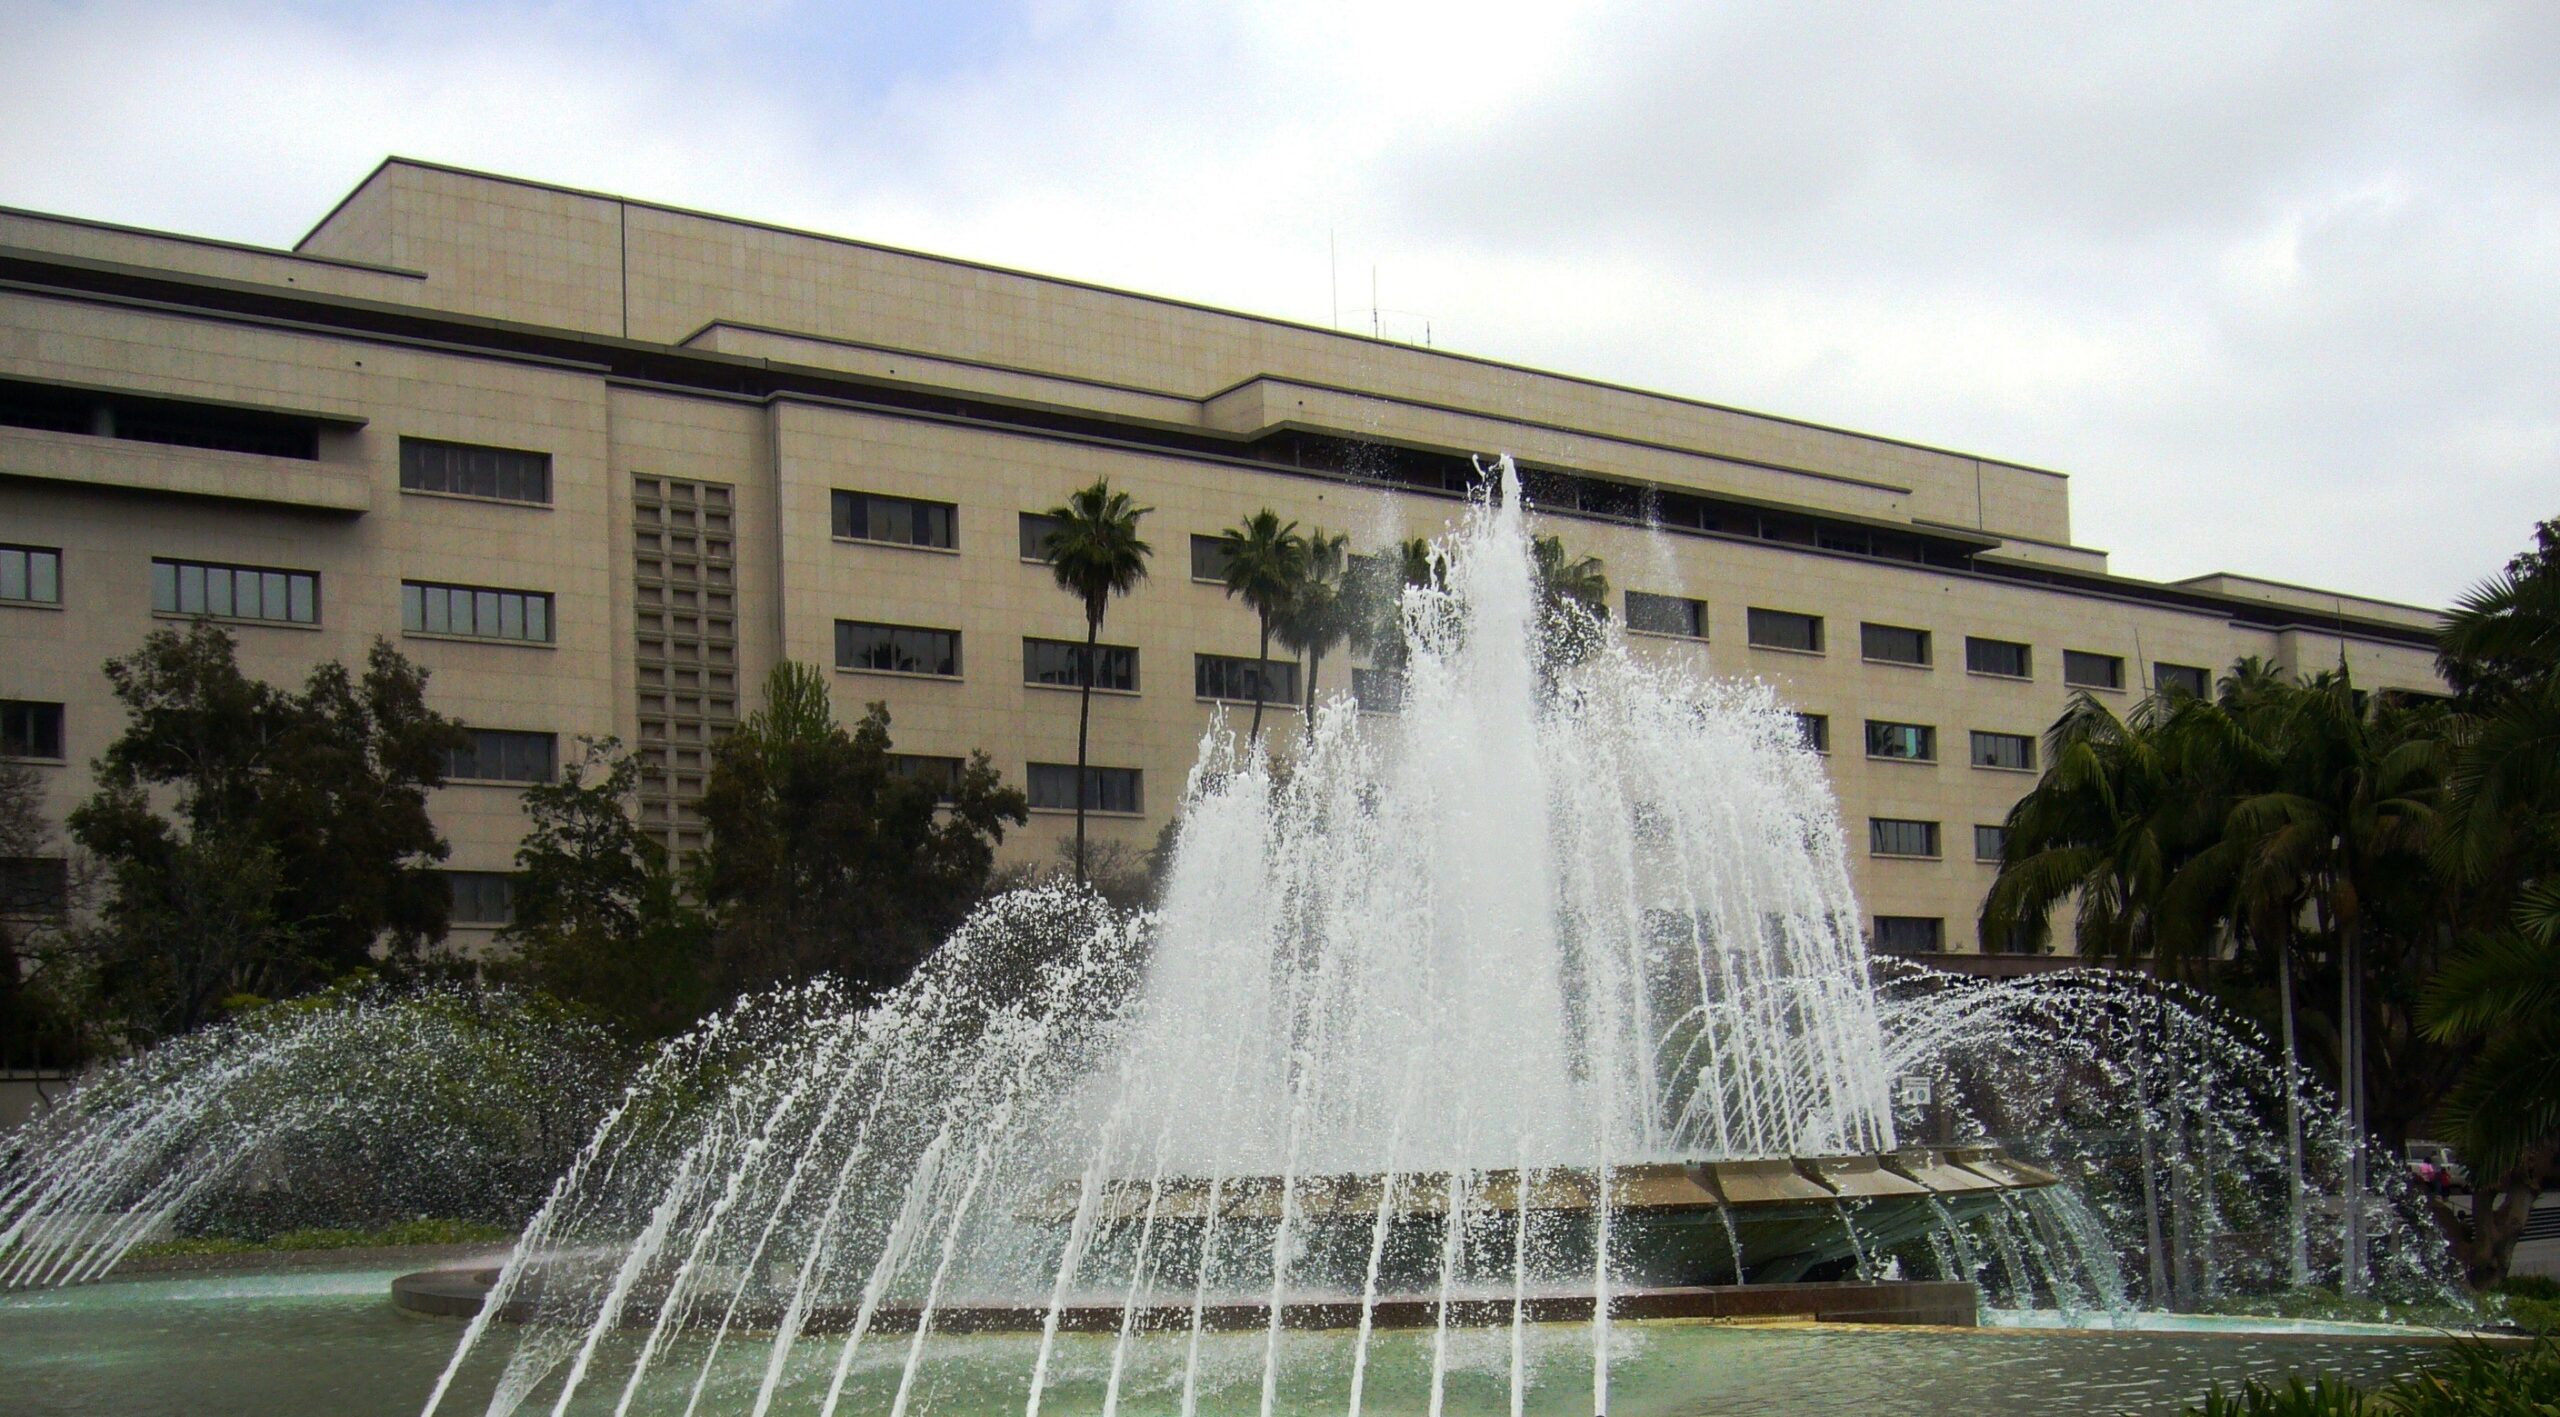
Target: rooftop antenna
(1373, 303)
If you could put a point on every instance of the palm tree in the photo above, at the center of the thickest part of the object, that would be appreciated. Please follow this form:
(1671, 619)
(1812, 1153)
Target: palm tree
(1266, 560)
(1317, 618)
(2106, 824)
(1573, 596)
(1095, 553)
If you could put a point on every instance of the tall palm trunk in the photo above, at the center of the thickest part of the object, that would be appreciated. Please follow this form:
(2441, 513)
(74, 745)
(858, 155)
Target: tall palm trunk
(2297, 1259)
(1261, 663)
(1084, 726)
(1315, 665)
(2351, 1085)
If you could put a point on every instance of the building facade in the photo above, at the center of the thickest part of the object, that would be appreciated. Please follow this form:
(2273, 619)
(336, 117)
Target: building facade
(599, 463)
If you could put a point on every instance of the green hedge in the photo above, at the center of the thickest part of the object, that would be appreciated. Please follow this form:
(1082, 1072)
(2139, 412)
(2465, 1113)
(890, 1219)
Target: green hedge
(2474, 1380)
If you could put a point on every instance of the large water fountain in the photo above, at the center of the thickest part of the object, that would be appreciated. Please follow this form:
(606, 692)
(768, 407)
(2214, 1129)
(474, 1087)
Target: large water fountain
(1463, 1034)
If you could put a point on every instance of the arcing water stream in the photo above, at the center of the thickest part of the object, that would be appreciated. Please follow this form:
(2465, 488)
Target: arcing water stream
(1560, 920)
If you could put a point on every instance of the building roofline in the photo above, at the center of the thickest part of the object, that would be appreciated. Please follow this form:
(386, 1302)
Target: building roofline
(484, 336)
(1174, 302)
(244, 247)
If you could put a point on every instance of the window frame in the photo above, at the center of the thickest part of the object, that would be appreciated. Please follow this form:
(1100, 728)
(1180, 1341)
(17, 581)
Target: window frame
(540, 468)
(2070, 682)
(957, 650)
(453, 879)
(1200, 660)
(1819, 740)
(1937, 934)
(1216, 548)
(1362, 678)
(1999, 851)
(1981, 735)
(1868, 630)
(1932, 840)
(519, 736)
(1038, 776)
(1695, 609)
(1074, 648)
(421, 626)
(1752, 622)
(32, 712)
(176, 579)
(2200, 686)
(843, 501)
(27, 561)
(2026, 658)
(1929, 741)
(1031, 554)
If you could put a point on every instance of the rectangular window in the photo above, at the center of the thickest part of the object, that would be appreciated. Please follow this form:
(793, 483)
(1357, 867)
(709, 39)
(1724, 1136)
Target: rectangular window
(1208, 559)
(2083, 670)
(481, 897)
(34, 886)
(1898, 836)
(467, 470)
(475, 612)
(1910, 934)
(2177, 679)
(1894, 644)
(31, 575)
(1990, 843)
(2006, 658)
(142, 418)
(897, 649)
(900, 521)
(503, 755)
(1815, 730)
(235, 592)
(1378, 690)
(2004, 750)
(1666, 615)
(1230, 679)
(1057, 663)
(1036, 527)
(941, 774)
(29, 729)
(1911, 742)
(1784, 629)
(1053, 787)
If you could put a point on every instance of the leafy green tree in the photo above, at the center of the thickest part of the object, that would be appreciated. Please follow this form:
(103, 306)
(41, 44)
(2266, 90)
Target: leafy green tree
(40, 1023)
(300, 845)
(1095, 553)
(1266, 562)
(599, 920)
(822, 857)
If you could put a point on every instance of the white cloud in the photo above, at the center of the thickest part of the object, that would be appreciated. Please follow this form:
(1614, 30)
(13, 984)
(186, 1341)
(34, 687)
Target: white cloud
(2273, 282)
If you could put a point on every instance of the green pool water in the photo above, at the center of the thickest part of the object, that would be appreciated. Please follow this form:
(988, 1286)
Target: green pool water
(329, 1342)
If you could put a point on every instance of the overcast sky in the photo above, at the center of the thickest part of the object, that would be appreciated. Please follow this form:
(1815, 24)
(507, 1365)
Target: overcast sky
(2278, 284)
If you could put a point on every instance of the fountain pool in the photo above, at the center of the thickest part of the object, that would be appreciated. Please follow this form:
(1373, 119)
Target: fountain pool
(325, 1343)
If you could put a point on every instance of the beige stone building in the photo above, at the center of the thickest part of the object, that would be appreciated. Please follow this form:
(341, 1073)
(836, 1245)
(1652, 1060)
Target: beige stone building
(599, 463)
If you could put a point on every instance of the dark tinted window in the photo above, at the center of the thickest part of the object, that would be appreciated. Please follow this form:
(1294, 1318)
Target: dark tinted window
(143, 419)
(1378, 690)
(1785, 629)
(1058, 662)
(1208, 559)
(503, 755)
(1898, 836)
(901, 521)
(481, 897)
(2082, 669)
(31, 574)
(1917, 742)
(29, 729)
(899, 649)
(480, 612)
(1894, 644)
(466, 470)
(2003, 750)
(34, 885)
(1815, 729)
(1989, 843)
(235, 592)
(1219, 676)
(1666, 615)
(1910, 934)
(2006, 658)
(1036, 527)
(1053, 785)
(2187, 679)
(942, 774)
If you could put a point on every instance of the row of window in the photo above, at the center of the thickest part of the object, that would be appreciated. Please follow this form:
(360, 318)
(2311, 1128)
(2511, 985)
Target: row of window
(1903, 644)
(1901, 836)
(277, 595)
(1918, 742)
(917, 649)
